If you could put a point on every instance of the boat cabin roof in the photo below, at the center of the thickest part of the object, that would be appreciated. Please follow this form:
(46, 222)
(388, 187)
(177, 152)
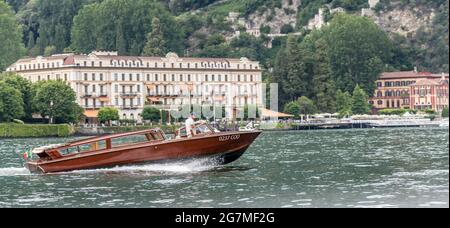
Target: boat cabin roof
(101, 138)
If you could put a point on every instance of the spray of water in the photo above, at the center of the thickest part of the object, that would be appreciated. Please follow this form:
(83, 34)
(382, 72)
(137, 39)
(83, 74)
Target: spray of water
(14, 172)
(180, 167)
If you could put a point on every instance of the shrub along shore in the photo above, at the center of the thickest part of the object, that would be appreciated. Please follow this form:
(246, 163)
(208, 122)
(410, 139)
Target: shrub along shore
(12, 130)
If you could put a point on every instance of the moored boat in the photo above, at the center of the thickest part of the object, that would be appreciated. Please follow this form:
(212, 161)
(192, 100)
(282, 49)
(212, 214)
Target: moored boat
(147, 146)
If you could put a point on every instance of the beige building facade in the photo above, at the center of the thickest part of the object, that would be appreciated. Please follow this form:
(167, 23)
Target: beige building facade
(128, 83)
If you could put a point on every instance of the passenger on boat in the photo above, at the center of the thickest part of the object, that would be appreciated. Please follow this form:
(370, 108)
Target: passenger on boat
(190, 126)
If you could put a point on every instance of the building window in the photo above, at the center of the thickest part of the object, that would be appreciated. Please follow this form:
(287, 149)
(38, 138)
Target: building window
(131, 77)
(85, 77)
(116, 88)
(138, 77)
(138, 87)
(117, 101)
(116, 77)
(123, 77)
(156, 77)
(148, 77)
(379, 94)
(379, 102)
(101, 77)
(65, 77)
(93, 77)
(86, 89)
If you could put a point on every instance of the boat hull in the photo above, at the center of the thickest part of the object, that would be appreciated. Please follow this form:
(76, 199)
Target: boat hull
(223, 148)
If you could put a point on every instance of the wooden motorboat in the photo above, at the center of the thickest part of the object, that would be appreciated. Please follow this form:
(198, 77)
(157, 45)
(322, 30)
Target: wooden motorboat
(147, 146)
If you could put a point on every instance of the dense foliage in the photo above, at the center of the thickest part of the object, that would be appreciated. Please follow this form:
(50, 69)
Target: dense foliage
(351, 51)
(123, 25)
(108, 114)
(151, 114)
(10, 36)
(56, 101)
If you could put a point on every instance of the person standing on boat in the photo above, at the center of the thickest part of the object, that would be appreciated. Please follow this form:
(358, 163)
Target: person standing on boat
(190, 126)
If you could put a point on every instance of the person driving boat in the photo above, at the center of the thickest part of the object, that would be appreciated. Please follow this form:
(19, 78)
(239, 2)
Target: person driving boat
(190, 126)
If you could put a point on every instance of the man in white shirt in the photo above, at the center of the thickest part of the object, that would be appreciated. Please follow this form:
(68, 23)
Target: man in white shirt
(190, 126)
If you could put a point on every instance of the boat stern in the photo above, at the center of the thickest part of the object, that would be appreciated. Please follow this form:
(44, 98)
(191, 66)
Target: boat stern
(33, 167)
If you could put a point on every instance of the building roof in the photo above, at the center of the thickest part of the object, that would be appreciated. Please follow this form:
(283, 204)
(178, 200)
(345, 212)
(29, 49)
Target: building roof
(429, 82)
(410, 74)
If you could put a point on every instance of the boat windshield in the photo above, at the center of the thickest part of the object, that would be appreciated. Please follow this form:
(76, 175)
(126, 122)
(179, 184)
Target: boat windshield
(200, 129)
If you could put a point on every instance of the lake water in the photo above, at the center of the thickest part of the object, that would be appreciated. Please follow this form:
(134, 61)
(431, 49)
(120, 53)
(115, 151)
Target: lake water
(330, 168)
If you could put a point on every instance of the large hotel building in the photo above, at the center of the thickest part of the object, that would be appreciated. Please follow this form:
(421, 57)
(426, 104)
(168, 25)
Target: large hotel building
(411, 89)
(128, 83)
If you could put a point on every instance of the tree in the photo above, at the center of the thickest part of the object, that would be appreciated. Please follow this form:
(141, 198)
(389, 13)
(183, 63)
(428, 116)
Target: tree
(445, 112)
(290, 72)
(11, 46)
(151, 114)
(57, 101)
(49, 50)
(11, 103)
(24, 86)
(123, 25)
(323, 86)
(344, 103)
(108, 114)
(155, 40)
(292, 108)
(306, 106)
(358, 49)
(359, 101)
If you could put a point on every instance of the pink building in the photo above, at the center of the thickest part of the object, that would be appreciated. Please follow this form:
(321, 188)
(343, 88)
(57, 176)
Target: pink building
(429, 94)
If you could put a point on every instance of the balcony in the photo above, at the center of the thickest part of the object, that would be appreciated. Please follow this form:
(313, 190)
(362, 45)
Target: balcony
(165, 95)
(129, 107)
(128, 94)
(91, 107)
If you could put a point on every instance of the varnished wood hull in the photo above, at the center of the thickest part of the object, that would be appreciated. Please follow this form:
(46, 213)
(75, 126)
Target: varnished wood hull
(223, 147)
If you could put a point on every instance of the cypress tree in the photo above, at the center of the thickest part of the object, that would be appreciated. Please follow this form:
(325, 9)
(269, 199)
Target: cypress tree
(155, 45)
(359, 101)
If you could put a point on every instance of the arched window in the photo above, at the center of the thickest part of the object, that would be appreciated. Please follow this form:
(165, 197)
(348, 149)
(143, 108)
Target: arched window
(379, 94)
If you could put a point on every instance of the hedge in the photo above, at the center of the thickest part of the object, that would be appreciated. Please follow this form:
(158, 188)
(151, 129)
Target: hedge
(13, 130)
